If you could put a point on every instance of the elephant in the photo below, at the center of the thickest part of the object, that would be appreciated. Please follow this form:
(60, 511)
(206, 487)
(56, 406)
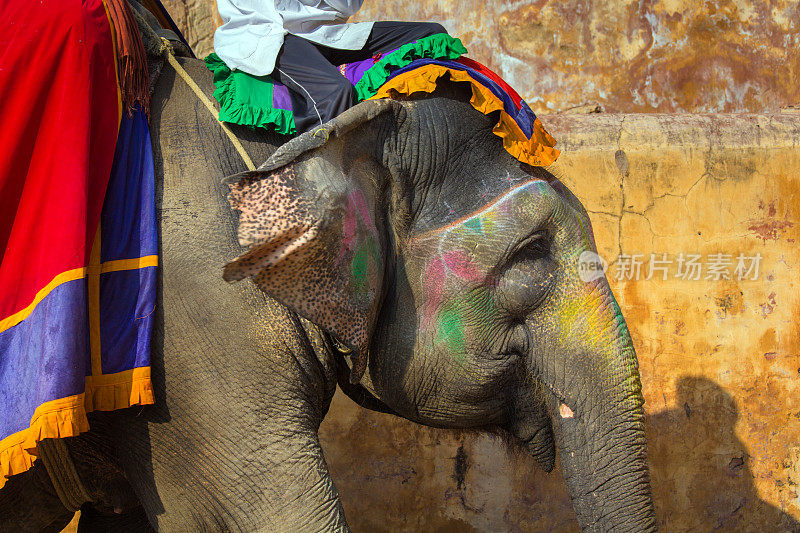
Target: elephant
(398, 252)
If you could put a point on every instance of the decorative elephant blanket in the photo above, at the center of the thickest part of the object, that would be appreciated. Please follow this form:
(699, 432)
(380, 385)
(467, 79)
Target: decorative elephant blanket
(259, 101)
(78, 239)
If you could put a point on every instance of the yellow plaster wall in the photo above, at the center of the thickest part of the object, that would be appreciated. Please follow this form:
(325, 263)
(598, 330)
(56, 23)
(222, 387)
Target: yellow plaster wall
(197, 20)
(625, 55)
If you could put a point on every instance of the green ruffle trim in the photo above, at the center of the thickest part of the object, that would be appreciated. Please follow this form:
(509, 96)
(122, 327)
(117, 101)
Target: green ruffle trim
(246, 99)
(439, 46)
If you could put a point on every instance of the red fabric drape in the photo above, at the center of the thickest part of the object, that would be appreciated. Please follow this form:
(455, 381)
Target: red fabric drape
(59, 116)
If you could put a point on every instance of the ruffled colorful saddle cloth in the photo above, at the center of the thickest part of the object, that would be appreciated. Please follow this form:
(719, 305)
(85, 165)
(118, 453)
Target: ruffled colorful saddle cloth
(259, 101)
(78, 248)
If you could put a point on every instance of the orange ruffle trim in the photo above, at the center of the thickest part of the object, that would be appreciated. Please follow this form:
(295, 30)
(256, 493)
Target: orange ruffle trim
(537, 151)
(66, 417)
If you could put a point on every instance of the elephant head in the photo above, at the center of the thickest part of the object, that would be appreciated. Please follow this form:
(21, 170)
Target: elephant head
(451, 272)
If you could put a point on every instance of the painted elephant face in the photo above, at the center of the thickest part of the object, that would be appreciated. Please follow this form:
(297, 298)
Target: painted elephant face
(473, 292)
(409, 234)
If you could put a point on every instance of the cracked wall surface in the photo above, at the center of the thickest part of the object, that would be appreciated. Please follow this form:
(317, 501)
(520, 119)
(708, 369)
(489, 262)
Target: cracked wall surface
(626, 55)
(719, 358)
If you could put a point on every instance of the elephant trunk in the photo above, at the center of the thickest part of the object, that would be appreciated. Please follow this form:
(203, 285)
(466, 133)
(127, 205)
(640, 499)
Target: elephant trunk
(604, 463)
(592, 392)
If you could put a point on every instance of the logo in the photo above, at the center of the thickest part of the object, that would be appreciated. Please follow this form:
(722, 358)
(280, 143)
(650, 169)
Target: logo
(591, 266)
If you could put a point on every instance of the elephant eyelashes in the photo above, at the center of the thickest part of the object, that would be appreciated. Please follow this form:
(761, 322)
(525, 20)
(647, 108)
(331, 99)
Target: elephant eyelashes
(528, 254)
(536, 247)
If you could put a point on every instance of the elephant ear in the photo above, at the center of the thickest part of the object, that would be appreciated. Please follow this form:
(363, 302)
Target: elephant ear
(309, 216)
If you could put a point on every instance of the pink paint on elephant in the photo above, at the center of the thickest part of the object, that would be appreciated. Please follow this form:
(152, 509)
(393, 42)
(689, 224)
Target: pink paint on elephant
(434, 288)
(356, 206)
(459, 264)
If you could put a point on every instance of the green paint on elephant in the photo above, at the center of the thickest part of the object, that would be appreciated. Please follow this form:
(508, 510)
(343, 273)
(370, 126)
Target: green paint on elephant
(474, 225)
(468, 315)
(450, 330)
(359, 267)
(366, 254)
(488, 222)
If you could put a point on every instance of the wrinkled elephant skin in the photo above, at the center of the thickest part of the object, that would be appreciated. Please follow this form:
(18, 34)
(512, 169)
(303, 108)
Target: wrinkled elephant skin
(405, 232)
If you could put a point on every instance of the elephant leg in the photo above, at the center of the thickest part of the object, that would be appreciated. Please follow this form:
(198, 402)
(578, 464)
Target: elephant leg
(28, 502)
(234, 447)
(219, 475)
(241, 383)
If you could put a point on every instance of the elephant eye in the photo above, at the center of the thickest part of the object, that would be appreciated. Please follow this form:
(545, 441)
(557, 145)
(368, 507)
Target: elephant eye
(534, 247)
(527, 275)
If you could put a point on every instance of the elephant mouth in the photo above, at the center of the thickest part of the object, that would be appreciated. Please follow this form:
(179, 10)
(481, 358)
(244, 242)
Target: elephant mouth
(539, 442)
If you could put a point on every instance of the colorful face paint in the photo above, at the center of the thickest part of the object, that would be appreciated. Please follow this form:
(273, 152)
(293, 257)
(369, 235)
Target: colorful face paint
(352, 236)
(461, 266)
(365, 264)
(360, 241)
(450, 332)
(465, 321)
(454, 264)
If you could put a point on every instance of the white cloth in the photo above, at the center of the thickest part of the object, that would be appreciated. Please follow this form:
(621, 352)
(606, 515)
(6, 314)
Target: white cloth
(253, 30)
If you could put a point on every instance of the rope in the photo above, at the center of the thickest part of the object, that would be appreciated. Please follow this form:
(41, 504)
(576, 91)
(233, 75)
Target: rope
(209, 105)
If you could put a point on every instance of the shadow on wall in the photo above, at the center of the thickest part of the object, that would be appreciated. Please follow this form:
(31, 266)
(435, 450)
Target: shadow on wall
(700, 473)
(394, 475)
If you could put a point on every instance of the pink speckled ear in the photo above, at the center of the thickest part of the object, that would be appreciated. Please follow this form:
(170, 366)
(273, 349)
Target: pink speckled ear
(316, 244)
